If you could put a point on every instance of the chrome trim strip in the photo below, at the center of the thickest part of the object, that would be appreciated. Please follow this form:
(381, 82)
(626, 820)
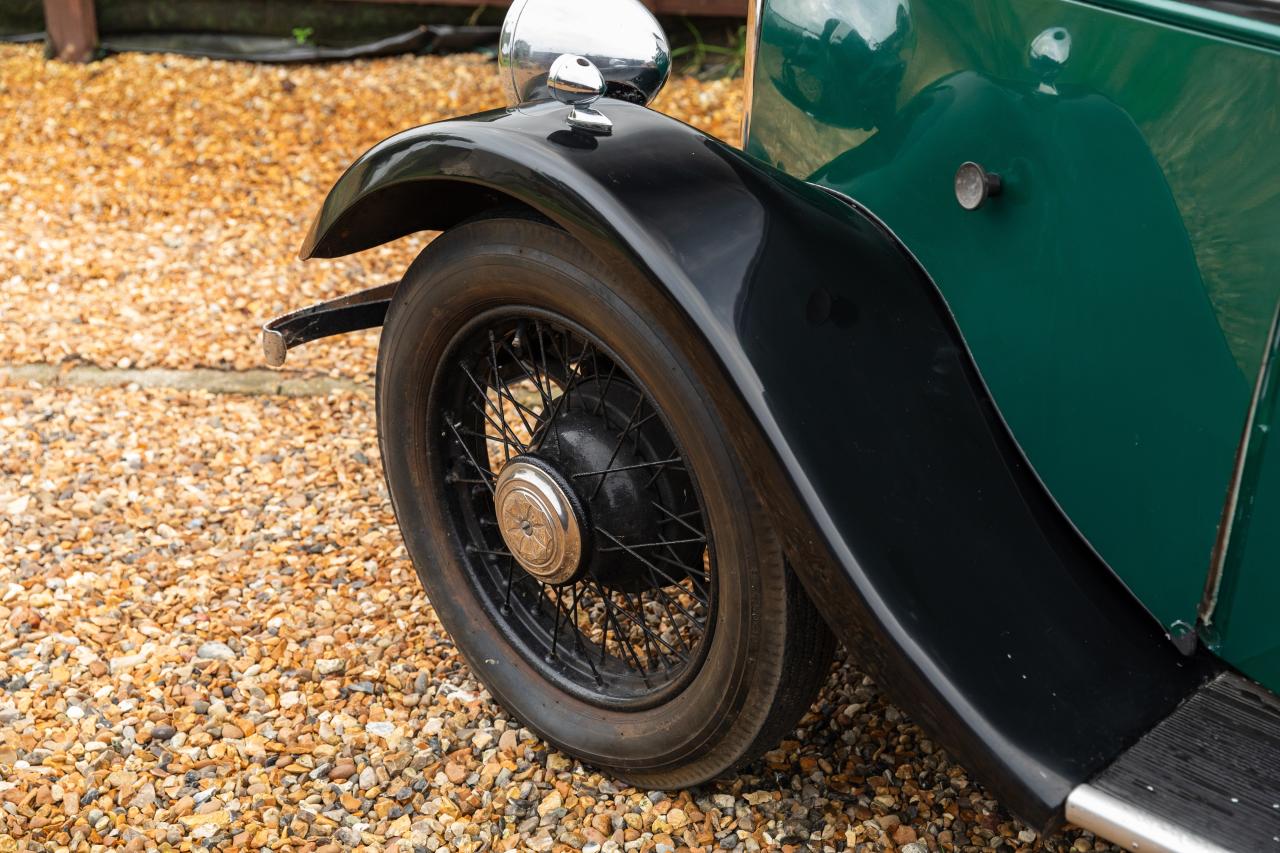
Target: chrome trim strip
(1222, 545)
(1132, 827)
(754, 10)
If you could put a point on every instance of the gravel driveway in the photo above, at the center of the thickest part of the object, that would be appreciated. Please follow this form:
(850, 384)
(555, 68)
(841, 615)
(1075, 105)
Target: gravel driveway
(210, 636)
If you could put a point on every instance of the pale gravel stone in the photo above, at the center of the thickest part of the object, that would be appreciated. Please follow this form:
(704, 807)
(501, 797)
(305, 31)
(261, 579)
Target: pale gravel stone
(145, 798)
(381, 729)
(170, 257)
(126, 662)
(215, 651)
(160, 219)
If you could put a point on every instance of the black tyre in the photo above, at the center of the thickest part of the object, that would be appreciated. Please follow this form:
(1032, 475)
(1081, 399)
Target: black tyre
(572, 505)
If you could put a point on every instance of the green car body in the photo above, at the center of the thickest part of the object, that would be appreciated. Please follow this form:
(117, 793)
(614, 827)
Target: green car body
(1118, 295)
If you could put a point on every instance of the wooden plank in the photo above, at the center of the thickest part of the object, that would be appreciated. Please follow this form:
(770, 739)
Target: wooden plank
(708, 8)
(73, 29)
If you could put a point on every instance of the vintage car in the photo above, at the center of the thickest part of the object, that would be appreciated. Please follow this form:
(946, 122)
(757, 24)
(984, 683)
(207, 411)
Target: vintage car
(967, 360)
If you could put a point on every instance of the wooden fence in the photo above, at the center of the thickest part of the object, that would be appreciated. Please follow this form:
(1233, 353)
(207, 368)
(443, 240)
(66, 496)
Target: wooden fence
(73, 28)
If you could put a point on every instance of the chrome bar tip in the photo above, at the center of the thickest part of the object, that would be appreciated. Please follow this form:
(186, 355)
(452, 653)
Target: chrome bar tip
(274, 347)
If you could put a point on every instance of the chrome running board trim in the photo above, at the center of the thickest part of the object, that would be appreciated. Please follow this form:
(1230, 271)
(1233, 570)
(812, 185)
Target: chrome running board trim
(1206, 778)
(1130, 826)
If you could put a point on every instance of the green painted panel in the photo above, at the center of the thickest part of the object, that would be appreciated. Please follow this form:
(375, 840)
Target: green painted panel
(1117, 295)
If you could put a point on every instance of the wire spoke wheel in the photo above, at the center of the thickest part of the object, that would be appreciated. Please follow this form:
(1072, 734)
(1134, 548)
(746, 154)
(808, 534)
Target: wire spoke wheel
(565, 467)
(624, 613)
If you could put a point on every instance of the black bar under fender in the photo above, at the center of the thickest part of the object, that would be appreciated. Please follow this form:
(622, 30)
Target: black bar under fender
(366, 309)
(909, 511)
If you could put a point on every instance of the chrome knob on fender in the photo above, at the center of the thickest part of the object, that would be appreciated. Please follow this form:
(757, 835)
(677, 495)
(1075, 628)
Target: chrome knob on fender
(573, 80)
(538, 521)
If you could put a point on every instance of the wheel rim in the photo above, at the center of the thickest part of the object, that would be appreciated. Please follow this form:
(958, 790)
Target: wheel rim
(580, 525)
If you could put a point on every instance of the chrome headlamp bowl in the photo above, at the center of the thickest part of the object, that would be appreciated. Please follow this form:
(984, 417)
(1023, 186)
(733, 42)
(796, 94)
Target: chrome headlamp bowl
(621, 38)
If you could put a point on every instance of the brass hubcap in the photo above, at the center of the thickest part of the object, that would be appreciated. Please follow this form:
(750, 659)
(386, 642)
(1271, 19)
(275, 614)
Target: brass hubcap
(538, 522)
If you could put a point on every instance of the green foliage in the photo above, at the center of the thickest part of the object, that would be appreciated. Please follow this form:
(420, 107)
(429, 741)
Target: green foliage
(302, 35)
(708, 59)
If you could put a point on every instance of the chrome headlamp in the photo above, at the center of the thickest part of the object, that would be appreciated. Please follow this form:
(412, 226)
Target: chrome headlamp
(620, 38)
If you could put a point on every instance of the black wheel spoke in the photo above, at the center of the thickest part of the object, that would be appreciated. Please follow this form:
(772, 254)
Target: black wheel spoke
(667, 599)
(673, 562)
(555, 630)
(578, 641)
(488, 552)
(501, 387)
(627, 646)
(530, 374)
(652, 638)
(560, 402)
(650, 648)
(481, 390)
(645, 629)
(634, 467)
(634, 616)
(678, 519)
(505, 435)
(661, 543)
(485, 473)
(500, 424)
(506, 596)
(663, 467)
(599, 407)
(608, 468)
(508, 443)
(648, 563)
(542, 349)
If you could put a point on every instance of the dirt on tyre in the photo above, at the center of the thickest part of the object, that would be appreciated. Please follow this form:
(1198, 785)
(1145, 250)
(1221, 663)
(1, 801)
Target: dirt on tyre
(571, 502)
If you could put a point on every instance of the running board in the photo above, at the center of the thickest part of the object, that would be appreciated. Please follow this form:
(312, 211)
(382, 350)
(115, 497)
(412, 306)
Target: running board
(1205, 780)
(363, 310)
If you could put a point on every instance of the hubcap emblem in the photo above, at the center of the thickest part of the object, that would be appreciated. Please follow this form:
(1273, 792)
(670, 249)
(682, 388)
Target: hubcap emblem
(537, 522)
(526, 529)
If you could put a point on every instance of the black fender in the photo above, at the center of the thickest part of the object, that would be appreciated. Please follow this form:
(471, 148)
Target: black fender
(910, 513)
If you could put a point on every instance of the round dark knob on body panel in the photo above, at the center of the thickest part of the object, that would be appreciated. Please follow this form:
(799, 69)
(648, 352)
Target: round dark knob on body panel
(974, 185)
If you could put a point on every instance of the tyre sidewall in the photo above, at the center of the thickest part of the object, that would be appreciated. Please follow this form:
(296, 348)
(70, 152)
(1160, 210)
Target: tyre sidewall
(492, 264)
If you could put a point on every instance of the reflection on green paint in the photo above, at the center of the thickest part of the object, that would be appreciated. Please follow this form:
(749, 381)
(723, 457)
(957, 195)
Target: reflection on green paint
(1117, 295)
